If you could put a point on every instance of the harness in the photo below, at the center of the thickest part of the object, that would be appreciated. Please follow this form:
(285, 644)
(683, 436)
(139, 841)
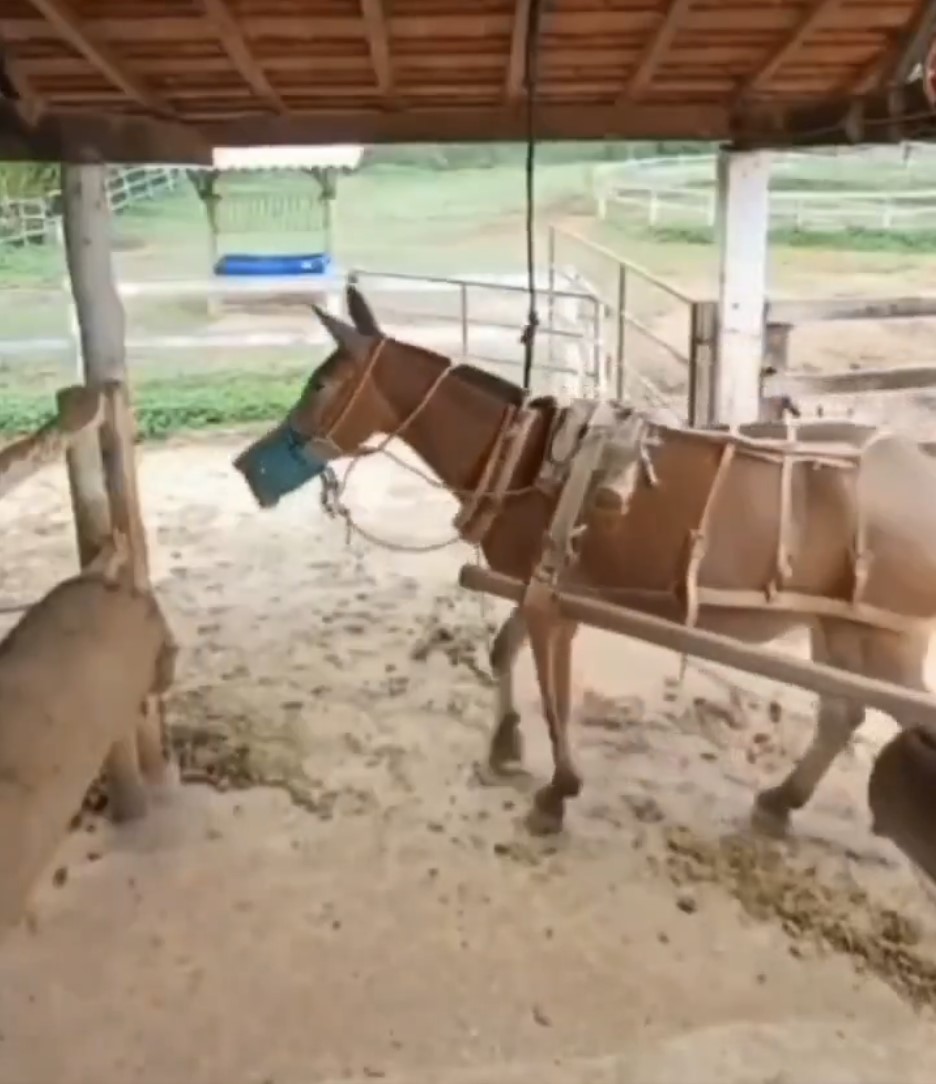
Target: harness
(592, 442)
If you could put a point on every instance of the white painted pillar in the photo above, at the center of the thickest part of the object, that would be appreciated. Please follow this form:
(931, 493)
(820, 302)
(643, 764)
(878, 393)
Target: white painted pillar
(742, 224)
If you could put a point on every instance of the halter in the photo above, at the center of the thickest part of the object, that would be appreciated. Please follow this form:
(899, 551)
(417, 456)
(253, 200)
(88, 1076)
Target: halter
(356, 392)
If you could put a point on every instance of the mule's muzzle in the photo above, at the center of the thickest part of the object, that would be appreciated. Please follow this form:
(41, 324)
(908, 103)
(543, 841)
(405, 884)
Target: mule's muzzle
(902, 797)
(277, 464)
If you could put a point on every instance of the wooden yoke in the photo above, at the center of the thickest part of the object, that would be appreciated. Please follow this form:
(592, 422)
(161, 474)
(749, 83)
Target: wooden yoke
(584, 461)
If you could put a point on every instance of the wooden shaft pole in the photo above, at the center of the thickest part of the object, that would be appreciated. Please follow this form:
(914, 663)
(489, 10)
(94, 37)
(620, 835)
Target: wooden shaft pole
(816, 677)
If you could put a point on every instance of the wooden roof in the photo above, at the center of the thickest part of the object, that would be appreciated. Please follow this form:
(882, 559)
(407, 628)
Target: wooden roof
(300, 71)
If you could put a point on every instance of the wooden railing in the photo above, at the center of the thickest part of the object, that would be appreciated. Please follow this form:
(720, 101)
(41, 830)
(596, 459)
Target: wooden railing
(785, 382)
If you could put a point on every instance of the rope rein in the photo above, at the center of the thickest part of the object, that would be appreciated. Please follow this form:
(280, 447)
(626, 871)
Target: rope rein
(333, 489)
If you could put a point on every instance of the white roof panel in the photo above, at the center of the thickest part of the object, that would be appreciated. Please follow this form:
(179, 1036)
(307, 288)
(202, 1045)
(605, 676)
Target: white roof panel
(342, 156)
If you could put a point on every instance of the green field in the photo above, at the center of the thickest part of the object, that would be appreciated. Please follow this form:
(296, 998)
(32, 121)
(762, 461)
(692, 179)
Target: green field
(410, 218)
(386, 218)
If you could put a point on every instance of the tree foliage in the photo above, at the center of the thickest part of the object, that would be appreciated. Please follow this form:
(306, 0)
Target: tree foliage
(28, 180)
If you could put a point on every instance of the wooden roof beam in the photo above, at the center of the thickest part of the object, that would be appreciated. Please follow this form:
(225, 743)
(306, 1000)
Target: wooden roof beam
(820, 10)
(239, 52)
(904, 52)
(516, 63)
(888, 115)
(81, 136)
(653, 53)
(70, 27)
(378, 43)
(17, 87)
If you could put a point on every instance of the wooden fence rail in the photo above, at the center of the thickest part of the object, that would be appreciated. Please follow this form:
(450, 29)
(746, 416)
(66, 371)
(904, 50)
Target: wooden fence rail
(35, 220)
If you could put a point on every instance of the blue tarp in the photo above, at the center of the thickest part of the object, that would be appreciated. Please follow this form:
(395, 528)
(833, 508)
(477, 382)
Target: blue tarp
(310, 263)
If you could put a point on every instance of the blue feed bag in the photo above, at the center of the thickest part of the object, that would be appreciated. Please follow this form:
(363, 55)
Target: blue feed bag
(278, 464)
(285, 266)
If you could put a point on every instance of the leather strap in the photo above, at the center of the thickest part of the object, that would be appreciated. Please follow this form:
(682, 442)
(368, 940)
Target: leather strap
(557, 549)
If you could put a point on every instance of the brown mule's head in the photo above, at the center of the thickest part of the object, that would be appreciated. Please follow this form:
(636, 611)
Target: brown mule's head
(338, 410)
(340, 407)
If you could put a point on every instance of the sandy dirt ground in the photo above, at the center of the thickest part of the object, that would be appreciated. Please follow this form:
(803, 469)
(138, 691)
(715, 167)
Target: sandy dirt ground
(333, 895)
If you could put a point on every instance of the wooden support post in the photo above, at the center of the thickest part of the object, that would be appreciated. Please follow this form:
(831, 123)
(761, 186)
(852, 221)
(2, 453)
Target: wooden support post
(816, 677)
(774, 408)
(742, 225)
(620, 335)
(703, 362)
(107, 466)
(551, 296)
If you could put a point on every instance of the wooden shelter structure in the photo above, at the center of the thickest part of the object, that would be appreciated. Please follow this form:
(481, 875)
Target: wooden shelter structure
(150, 80)
(87, 82)
(147, 81)
(273, 212)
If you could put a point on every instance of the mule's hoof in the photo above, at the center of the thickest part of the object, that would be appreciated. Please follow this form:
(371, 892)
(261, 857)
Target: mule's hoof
(546, 814)
(769, 817)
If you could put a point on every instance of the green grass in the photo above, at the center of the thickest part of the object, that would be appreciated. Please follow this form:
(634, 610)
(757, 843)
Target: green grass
(454, 221)
(856, 239)
(165, 406)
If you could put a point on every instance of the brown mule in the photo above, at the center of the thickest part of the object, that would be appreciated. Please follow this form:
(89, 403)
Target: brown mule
(748, 534)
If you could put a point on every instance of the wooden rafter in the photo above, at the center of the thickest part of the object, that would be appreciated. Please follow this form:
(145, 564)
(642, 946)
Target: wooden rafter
(656, 47)
(516, 64)
(67, 23)
(378, 42)
(820, 10)
(905, 51)
(239, 52)
(18, 88)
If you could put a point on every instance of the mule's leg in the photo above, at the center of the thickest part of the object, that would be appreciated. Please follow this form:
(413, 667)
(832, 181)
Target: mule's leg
(877, 653)
(551, 640)
(836, 645)
(505, 751)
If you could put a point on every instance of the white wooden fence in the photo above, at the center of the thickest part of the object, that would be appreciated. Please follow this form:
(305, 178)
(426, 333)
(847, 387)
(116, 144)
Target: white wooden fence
(679, 191)
(33, 221)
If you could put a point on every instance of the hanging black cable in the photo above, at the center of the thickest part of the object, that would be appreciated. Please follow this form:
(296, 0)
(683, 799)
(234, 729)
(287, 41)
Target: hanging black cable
(531, 55)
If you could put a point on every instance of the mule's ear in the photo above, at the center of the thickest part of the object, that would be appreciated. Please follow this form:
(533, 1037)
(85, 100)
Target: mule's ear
(360, 312)
(347, 337)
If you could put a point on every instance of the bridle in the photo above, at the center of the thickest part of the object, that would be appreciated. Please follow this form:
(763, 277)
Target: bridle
(328, 437)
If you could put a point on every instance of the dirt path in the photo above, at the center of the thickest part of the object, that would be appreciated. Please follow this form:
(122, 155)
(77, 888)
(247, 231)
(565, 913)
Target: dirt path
(375, 911)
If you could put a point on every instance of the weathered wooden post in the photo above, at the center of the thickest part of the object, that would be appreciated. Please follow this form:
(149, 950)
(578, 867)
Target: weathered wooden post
(205, 184)
(101, 465)
(703, 362)
(775, 408)
(620, 354)
(551, 295)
